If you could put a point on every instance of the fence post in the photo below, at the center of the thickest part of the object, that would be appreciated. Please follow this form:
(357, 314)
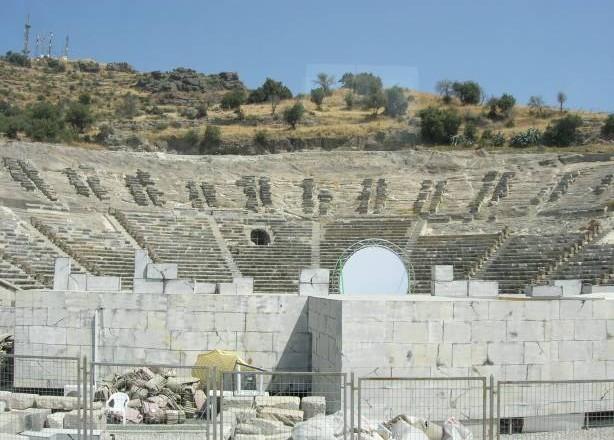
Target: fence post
(221, 404)
(79, 394)
(352, 390)
(492, 403)
(214, 410)
(498, 426)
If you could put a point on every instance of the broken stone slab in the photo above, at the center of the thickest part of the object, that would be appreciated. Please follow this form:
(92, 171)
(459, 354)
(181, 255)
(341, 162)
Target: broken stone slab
(588, 289)
(22, 400)
(314, 276)
(246, 429)
(162, 271)
(71, 419)
(570, 287)
(241, 415)
(205, 288)
(5, 396)
(178, 287)
(77, 282)
(12, 422)
(313, 289)
(55, 420)
(35, 418)
(57, 402)
(58, 434)
(237, 402)
(103, 283)
(271, 427)
(442, 272)
(544, 291)
(483, 289)
(284, 402)
(245, 285)
(61, 273)
(141, 260)
(288, 417)
(449, 288)
(313, 406)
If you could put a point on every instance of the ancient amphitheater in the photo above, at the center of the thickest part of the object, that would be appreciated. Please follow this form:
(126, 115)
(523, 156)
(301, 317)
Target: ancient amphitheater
(242, 230)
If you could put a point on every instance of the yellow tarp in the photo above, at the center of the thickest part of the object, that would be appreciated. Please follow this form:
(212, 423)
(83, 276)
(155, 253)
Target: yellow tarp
(223, 360)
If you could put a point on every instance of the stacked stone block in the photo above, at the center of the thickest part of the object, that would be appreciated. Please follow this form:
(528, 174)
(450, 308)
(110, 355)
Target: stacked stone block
(426, 187)
(97, 188)
(365, 196)
(381, 194)
(307, 199)
(209, 193)
(264, 184)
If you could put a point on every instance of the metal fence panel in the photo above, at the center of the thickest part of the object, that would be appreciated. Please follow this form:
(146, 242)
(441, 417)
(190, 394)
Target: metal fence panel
(274, 403)
(34, 387)
(381, 400)
(556, 409)
(169, 400)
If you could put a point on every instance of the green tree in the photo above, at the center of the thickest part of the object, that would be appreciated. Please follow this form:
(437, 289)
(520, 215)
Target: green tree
(212, 140)
(375, 100)
(233, 100)
(396, 102)
(267, 90)
(561, 99)
(43, 122)
(444, 88)
(364, 83)
(317, 97)
(79, 116)
(469, 92)
(17, 59)
(350, 99)
(500, 108)
(261, 141)
(128, 107)
(294, 114)
(563, 132)
(325, 82)
(437, 126)
(607, 131)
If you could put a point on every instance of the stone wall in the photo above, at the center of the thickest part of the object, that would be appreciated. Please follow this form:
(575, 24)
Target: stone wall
(511, 338)
(268, 331)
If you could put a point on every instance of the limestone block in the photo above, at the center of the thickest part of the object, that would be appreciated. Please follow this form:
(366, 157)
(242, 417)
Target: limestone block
(249, 436)
(14, 437)
(483, 289)
(141, 260)
(315, 276)
(597, 289)
(77, 282)
(570, 287)
(103, 283)
(449, 288)
(178, 287)
(313, 406)
(313, 289)
(441, 272)
(241, 415)
(243, 429)
(288, 417)
(205, 288)
(57, 402)
(272, 427)
(35, 418)
(5, 396)
(284, 402)
(12, 422)
(237, 402)
(55, 420)
(143, 285)
(244, 285)
(22, 400)
(162, 271)
(61, 273)
(227, 288)
(545, 291)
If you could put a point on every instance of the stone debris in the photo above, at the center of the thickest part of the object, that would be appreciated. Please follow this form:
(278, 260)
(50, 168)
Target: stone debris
(313, 406)
(155, 397)
(6, 343)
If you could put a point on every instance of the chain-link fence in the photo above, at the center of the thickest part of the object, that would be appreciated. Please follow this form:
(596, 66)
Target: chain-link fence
(39, 393)
(284, 404)
(131, 400)
(388, 405)
(556, 409)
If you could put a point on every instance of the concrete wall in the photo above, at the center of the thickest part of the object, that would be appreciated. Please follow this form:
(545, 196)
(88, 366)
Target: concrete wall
(266, 330)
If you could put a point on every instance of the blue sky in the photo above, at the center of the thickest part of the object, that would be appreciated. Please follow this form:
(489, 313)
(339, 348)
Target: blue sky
(524, 47)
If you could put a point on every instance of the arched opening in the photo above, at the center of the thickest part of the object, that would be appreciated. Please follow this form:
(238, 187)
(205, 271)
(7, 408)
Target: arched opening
(260, 237)
(374, 270)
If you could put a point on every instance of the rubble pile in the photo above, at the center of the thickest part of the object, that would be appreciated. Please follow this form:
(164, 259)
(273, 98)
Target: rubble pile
(155, 396)
(6, 343)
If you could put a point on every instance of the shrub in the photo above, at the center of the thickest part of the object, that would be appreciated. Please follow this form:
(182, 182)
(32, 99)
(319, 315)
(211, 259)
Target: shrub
(364, 83)
(459, 140)
(470, 132)
(525, 139)
(444, 88)
(317, 97)
(294, 114)
(350, 99)
(79, 116)
(374, 101)
(202, 110)
(396, 102)
(191, 137)
(85, 98)
(536, 105)
(469, 92)
(17, 59)
(128, 106)
(500, 108)
(55, 65)
(607, 131)
(261, 141)
(437, 126)
(233, 100)
(211, 141)
(269, 89)
(563, 132)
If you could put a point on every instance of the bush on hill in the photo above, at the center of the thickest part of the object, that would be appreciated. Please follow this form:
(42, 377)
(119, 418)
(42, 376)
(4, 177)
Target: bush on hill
(364, 83)
(563, 132)
(269, 90)
(607, 131)
(437, 126)
(17, 59)
(527, 138)
(468, 92)
(396, 102)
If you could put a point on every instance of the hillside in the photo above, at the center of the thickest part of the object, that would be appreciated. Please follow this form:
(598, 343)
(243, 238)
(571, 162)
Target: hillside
(169, 111)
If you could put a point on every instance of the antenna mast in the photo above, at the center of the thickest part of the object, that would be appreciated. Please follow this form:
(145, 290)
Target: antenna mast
(26, 37)
(50, 44)
(65, 51)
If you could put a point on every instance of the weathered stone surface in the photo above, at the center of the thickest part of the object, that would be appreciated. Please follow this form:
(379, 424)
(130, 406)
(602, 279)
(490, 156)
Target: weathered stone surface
(22, 400)
(545, 291)
(569, 287)
(288, 417)
(313, 406)
(35, 418)
(12, 422)
(178, 287)
(284, 402)
(55, 420)
(162, 271)
(271, 427)
(57, 402)
(141, 260)
(205, 288)
(104, 284)
(449, 288)
(240, 414)
(442, 272)
(483, 289)
(237, 402)
(144, 285)
(246, 428)
(77, 282)
(61, 273)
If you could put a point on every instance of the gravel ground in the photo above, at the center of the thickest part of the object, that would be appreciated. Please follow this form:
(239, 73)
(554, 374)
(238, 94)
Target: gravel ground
(583, 434)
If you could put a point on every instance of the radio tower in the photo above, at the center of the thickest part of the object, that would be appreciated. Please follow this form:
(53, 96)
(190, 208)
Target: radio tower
(65, 51)
(40, 41)
(26, 37)
(50, 44)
